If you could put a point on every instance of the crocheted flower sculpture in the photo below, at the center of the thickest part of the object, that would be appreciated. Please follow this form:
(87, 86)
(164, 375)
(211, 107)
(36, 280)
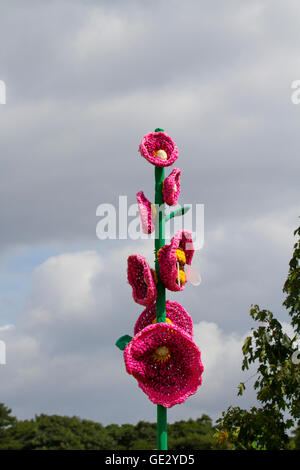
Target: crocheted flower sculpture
(166, 363)
(172, 259)
(159, 149)
(147, 213)
(171, 187)
(175, 314)
(142, 280)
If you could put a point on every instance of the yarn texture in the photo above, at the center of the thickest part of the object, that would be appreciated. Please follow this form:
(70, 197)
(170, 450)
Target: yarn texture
(162, 355)
(147, 213)
(171, 187)
(166, 363)
(142, 280)
(159, 149)
(171, 261)
(175, 313)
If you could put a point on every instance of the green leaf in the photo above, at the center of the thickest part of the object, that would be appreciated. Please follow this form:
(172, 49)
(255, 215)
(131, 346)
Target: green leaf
(286, 341)
(180, 211)
(158, 129)
(241, 388)
(246, 345)
(122, 342)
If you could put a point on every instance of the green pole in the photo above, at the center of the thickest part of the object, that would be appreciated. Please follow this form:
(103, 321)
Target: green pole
(162, 443)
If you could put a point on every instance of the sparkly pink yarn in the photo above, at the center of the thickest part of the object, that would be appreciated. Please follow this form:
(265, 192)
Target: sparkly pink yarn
(147, 218)
(173, 381)
(155, 141)
(174, 311)
(171, 187)
(168, 260)
(141, 279)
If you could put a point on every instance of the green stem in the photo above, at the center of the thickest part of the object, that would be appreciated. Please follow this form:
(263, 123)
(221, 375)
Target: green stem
(161, 293)
(162, 436)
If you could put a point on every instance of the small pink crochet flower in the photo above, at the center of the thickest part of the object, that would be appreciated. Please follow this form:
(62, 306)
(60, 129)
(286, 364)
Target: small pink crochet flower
(175, 314)
(147, 213)
(171, 187)
(159, 149)
(172, 259)
(166, 363)
(142, 280)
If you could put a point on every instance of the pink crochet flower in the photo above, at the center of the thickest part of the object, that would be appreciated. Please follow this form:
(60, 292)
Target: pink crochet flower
(166, 363)
(171, 187)
(172, 259)
(159, 149)
(142, 280)
(175, 315)
(147, 213)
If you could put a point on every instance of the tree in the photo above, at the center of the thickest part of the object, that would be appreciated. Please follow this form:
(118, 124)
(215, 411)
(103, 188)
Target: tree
(192, 434)
(278, 376)
(6, 419)
(19, 436)
(292, 286)
(56, 433)
(72, 433)
(69, 433)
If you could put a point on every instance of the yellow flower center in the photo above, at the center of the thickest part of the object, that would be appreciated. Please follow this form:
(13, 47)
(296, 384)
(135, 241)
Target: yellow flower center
(167, 321)
(180, 255)
(162, 154)
(161, 354)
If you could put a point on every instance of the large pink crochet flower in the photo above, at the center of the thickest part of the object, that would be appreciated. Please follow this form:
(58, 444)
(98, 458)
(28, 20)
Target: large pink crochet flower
(147, 213)
(166, 363)
(171, 187)
(142, 280)
(172, 259)
(175, 314)
(159, 149)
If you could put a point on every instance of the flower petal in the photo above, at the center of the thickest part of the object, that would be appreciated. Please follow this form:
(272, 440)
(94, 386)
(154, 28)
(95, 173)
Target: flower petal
(168, 269)
(141, 279)
(168, 382)
(174, 312)
(155, 142)
(171, 187)
(147, 213)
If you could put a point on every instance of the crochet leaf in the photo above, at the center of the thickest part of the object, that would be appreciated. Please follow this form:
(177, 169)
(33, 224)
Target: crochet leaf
(181, 211)
(122, 342)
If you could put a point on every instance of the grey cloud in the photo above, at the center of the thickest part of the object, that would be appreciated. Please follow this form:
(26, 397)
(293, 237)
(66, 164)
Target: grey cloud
(82, 92)
(61, 355)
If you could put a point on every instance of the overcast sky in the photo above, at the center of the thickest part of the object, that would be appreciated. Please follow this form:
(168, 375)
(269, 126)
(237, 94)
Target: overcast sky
(85, 81)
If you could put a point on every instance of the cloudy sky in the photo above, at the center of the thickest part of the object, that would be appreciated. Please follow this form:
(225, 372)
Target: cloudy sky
(85, 81)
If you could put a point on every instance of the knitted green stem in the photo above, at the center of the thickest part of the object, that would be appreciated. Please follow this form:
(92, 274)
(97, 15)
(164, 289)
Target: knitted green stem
(161, 293)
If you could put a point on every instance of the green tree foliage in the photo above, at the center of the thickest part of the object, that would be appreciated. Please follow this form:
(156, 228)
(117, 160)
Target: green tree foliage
(278, 376)
(5, 418)
(295, 440)
(193, 435)
(19, 436)
(292, 286)
(72, 433)
(56, 432)
(62, 432)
